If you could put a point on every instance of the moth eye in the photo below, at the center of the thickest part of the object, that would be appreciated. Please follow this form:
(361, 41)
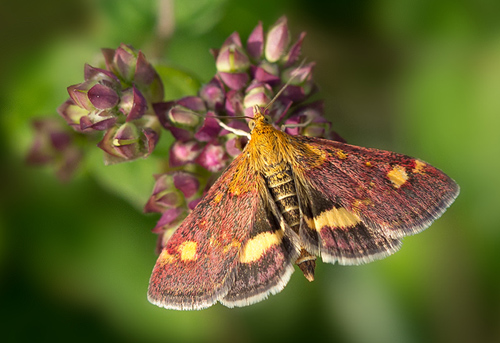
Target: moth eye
(267, 119)
(251, 124)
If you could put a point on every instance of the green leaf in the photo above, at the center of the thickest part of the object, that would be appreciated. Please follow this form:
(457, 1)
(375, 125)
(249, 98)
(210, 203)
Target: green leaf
(177, 83)
(130, 21)
(133, 181)
(198, 16)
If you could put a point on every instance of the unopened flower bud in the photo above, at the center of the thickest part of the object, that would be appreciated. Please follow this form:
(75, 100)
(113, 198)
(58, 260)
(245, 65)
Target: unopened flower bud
(165, 195)
(255, 43)
(131, 140)
(53, 145)
(257, 94)
(182, 153)
(213, 157)
(209, 130)
(213, 94)
(232, 57)
(133, 104)
(277, 40)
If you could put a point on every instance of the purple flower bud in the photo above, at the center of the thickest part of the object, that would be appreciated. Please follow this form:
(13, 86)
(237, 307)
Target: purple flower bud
(166, 226)
(232, 60)
(313, 114)
(102, 97)
(50, 139)
(182, 153)
(147, 80)
(124, 62)
(53, 145)
(234, 146)
(149, 140)
(121, 141)
(79, 94)
(234, 103)
(300, 75)
(318, 126)
(209, 130)
(232, 57)
(164, 196)
(72, 113)
(257, 94)
(316, 130)
(131, 140)
(100, 75)
(183, 114)
(162, 110)
(267, 73)
(170, 218)
(100, 122)
(232, 40)
(213, 94)
(193, 103)
(187, 184)
(234, 81)
(294, 53)
(280, 109)
(183, 117)
(278, 39)
(255, 43)
(213, 157)
(133, 104)
(295, 93)
(312, 110)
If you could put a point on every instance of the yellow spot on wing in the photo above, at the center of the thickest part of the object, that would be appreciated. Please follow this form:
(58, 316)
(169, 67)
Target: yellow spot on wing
(315, 157)
(166, 258)
(334, 218)
(419, 166)
(233, 244)
(360, 202)
(341, 155)
(398, 176)
(218, 198)
(188, 250)
(256, 247)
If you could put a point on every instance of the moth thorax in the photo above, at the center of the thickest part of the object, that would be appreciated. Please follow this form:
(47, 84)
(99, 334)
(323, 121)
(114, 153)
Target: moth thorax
(280, 182)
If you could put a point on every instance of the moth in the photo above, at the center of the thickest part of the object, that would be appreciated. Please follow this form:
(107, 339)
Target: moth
(285, 200)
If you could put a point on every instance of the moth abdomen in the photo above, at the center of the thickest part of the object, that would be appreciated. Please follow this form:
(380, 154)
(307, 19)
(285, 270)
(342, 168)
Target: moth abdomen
(281, 184)
(282, 187)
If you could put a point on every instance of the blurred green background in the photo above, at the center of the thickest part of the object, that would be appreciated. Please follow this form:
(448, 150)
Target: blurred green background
(421, 77)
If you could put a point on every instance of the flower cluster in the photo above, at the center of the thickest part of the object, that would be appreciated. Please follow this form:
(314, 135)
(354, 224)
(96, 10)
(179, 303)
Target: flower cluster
(245, 77)
(117, 100)
(54, 145)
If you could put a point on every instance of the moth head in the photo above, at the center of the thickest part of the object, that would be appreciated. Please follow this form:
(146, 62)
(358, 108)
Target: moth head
(258, 118)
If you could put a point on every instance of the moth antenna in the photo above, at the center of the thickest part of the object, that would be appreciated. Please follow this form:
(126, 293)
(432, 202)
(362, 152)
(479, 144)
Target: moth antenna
(237, 132)
(217, 116)
(233, 117)
(307, 122)
(293, 75)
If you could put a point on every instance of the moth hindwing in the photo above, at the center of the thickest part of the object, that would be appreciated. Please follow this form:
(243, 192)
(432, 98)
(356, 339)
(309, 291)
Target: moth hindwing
(285, 200)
